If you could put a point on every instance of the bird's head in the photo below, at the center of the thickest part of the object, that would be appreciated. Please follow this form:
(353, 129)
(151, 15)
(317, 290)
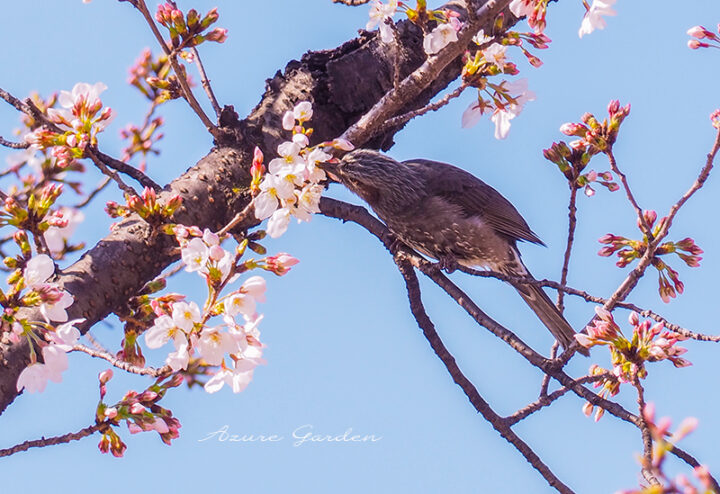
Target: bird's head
(370, 174)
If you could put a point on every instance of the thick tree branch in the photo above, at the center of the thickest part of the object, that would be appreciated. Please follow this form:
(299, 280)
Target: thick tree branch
(343, 84)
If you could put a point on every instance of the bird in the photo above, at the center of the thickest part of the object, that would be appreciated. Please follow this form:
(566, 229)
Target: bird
(448, 214)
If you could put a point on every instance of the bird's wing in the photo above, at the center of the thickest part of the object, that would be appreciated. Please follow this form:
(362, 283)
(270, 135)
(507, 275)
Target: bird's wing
(475, 198)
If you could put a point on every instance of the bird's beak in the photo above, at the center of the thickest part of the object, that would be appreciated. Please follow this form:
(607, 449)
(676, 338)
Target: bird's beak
(331, 168)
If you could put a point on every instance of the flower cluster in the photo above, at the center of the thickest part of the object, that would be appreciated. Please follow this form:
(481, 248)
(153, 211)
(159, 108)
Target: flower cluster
(628, 250)
(292, 185)
(35, 376)
(146, 70)
(79, 121)
(381, 16)
(34, 214)
(663, 443)
(534, 10)
(444, 33)
(649, 343)
(29, 287)
(191, 29)
(146, 206)
(595, 137)
(572, 162)
(506, 102)
(140, 411)
(698, 33)
(187, 325)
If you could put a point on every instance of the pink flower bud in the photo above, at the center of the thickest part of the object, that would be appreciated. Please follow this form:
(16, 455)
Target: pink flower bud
(111, 413)
(633, 318)
(694, 44)
(137, 408)
(698, 32)
(343, 144)
(105, 376)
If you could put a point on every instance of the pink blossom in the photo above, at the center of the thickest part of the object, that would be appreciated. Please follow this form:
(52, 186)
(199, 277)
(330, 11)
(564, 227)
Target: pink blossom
(195, 255)
(379, 14)
(593, 18)
(439, 38)
(281, 263)
(279, 222)
(186, 315)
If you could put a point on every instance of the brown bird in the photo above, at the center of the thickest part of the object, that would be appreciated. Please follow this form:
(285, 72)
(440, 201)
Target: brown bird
(450, 215)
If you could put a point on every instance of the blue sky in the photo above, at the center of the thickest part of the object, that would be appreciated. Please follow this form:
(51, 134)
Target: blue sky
(343, 350)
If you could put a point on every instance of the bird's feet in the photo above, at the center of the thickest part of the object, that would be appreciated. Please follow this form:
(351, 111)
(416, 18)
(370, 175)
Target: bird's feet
(447, 263)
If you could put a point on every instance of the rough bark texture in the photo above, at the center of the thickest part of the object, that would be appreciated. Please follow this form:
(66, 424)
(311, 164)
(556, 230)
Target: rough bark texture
(342, 83)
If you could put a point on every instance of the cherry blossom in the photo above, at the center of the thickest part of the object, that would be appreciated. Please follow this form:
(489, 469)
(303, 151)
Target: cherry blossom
(439, 38)
(379, 14)
(162, 331)
(237, 378)
(185, 315)
(279, 222)
(593, 17)
(195, 255)
(55, 361)
(213, 344)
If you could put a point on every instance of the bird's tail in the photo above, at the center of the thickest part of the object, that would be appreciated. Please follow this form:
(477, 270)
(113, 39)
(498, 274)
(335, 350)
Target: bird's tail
(542, 306)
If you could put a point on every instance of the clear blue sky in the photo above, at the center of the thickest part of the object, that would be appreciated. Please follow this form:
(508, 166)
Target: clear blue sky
(343, 351)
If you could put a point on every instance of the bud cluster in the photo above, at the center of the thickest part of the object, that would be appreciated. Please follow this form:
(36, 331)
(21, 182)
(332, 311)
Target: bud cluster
(648, 343)
(146, 206)
(572, 161)
(79, 121)
(698, 33)
(140, 411)
(189, 30)
(628, 250)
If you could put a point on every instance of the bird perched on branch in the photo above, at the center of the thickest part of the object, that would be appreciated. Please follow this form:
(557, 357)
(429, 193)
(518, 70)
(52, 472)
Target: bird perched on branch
(450, 215)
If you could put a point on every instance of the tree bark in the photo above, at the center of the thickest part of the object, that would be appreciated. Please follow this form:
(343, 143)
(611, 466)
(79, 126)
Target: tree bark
(342, 83)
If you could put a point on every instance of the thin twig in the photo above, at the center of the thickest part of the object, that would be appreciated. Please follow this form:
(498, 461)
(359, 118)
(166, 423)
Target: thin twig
(572, 223)
(638, 210)
(239, 217)
(206, 82)
(647, 459)
(546, 378)
(101, 186)
(12, 100)
(128, 170)
(406, 117)
(110, 173)
(547, 399)
(121, 364)
(592, 298)
(50, 441)
(634, 276)
(357, 214)
(497, 422)
(14, 145)
(179, 70)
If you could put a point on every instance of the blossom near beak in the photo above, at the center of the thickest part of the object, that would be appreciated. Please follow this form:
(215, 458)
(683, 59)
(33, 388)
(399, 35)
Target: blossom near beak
(331, 169)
